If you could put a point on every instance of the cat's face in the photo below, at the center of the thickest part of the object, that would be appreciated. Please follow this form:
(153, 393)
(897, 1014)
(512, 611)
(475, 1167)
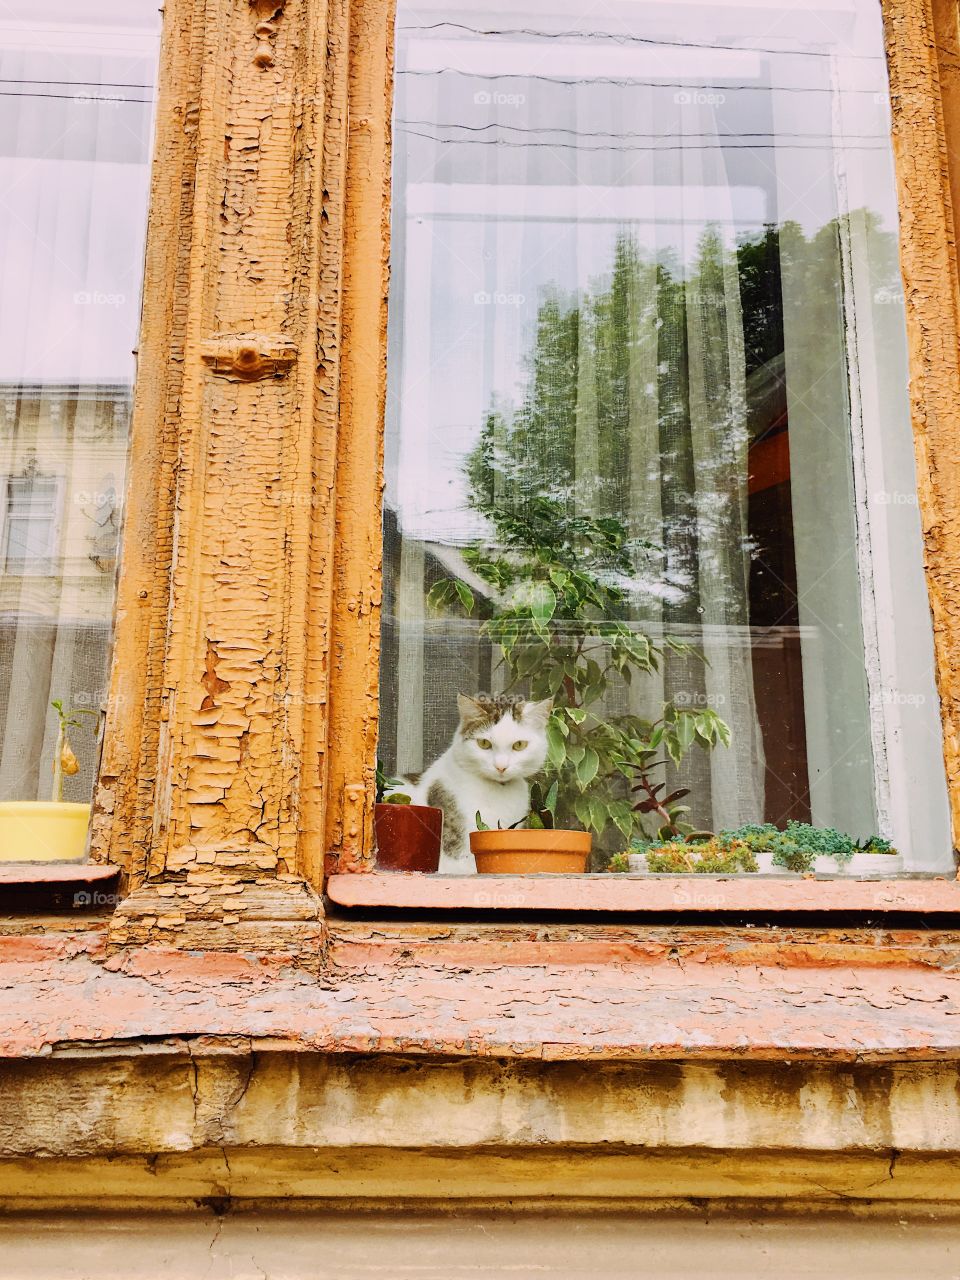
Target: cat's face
(502, 739)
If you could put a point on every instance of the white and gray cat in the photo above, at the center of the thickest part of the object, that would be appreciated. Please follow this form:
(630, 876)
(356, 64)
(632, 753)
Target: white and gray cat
(500, 743)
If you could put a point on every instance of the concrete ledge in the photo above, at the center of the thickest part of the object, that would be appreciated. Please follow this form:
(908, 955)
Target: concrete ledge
(585, 1241)
(403, 1127)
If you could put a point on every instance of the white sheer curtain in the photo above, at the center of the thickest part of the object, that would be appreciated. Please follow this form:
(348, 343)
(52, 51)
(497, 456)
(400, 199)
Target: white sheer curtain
(560, 222)
(75, 131)
(671, 228)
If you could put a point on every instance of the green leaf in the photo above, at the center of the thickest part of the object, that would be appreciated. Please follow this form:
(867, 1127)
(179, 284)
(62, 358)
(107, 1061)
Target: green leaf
(587, 767)
(598, 815)
(465, 594)
(538, 597)
(576, 753)
(441, 594)
(686, 731)
(581, 807)
(556, 748)
(622, 815)
(576, 714)
(550, 802)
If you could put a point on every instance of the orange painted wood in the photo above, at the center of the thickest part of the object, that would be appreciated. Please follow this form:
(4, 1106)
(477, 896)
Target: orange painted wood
(57, 873)
(621, 893)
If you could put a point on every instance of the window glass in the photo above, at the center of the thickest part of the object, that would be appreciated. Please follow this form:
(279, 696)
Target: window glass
(648, 443)
(76, 113)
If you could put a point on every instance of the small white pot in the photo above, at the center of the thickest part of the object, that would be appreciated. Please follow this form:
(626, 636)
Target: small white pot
(882, 865)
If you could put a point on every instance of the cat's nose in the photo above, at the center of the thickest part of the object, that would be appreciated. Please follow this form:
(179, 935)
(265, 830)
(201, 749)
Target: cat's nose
(501, 768)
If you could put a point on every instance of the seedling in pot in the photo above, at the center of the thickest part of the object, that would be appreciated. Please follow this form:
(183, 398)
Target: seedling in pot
(383, 785)
(540, 817)
(65, 762)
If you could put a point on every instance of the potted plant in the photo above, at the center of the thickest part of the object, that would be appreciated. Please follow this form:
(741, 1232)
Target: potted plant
(535, 845)
(557, 612)
(408, 835)
(799, 849)
(54, 830)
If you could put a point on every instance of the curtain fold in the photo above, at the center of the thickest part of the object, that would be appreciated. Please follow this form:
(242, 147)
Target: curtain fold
(605, 329)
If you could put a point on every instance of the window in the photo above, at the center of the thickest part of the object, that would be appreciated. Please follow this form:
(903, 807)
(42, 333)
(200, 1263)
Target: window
(76, 110)
(30, 529)
(648, 447)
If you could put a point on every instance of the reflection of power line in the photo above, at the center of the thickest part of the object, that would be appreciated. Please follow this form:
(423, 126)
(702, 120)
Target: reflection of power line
(100, 84)
(614, 133)
(640, 84)
(574, 146)
(85, 97)
(634, 39)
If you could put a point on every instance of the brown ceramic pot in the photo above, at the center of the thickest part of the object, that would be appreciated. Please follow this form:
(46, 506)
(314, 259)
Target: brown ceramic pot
(408, 836)
(523, 853)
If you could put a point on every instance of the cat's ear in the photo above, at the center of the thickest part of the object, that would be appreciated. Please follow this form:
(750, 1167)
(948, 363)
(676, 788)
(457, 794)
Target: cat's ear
(472, 711)
(538, 712)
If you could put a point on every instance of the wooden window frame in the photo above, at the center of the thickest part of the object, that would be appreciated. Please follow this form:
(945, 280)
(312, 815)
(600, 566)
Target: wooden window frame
(240, 743)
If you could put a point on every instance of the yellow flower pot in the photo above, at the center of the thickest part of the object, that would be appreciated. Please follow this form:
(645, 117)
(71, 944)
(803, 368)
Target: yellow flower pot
(43, 831)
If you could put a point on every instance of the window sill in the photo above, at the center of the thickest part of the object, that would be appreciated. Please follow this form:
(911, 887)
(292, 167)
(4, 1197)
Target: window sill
(58, 886)
(646, 895)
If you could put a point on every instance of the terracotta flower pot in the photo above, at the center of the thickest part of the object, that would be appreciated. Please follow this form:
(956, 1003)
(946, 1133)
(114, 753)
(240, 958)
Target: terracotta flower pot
(519, 853)
(408, 836)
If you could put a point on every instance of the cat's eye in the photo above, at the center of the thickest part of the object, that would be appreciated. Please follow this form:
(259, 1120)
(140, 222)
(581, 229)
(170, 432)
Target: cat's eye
(520, 746)
(484, 744)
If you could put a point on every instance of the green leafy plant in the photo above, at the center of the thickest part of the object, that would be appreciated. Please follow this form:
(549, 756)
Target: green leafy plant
(795, 848)
(540, 817)
(384, 783)
(716, 856)
(557, 610)
(65, 762)
(799, 844)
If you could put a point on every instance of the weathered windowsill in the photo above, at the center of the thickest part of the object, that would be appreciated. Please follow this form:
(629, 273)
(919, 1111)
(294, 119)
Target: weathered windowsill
(75, 887)
(647, 895)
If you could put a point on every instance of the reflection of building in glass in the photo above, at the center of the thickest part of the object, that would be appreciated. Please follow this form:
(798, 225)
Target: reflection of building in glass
(62, 458)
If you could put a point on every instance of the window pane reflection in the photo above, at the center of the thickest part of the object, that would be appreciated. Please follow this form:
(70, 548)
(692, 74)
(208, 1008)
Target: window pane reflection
(645, 271)
(75, 132)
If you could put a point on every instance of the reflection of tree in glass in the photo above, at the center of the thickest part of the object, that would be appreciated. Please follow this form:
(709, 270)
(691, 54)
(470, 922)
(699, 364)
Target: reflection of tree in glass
(616, 493)
(553, 480)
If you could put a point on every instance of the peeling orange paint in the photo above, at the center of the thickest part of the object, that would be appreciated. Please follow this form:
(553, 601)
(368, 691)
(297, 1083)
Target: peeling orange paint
(922, 135)
(240, 744)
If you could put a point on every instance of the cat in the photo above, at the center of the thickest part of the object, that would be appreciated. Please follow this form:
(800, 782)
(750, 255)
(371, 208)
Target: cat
(499, 744)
